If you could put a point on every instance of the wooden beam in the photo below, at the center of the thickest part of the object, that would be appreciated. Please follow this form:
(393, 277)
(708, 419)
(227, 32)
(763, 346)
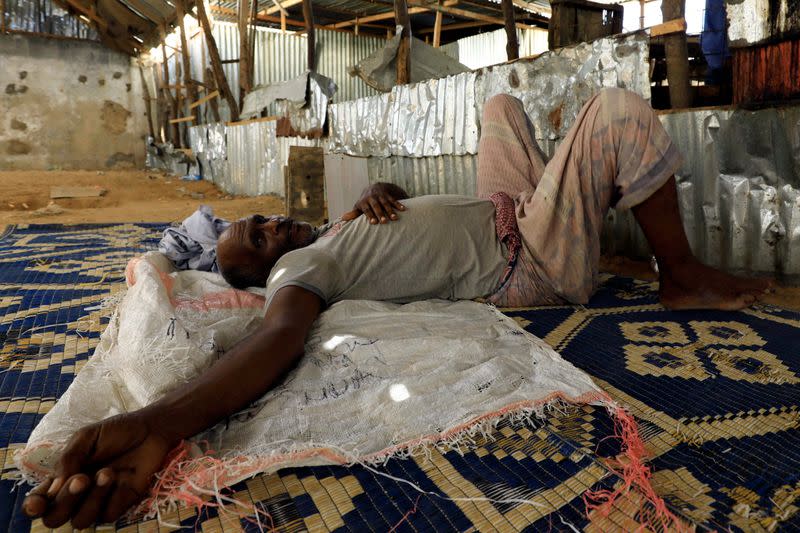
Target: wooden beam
(180, 7)
(181, 119)
(404, 49)
(265, 18)
(204, 99)
(463, 13)
(512, 46)
(213, 103)
(146, 97)
(245, 53)
(456, 26)
(308, 18)
(2, 16)
(437, 28)
(677, 53)
(175, 136)
(669, 27)
(373, 18)
(281, 6)
(251, 121)
(216, 64)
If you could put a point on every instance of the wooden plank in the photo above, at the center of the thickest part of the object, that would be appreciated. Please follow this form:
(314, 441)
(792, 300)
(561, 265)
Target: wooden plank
(374, 18)
(175, 135)
(308, 18)
(512, 46)
(669, 27)
(180, 6)
(404, 50)
(251, 121)
(146, 96)
(180, 120)
(76, 192)
(204, 99)
(463, 13)
(216, 63)
(281, 6)
(437, 28)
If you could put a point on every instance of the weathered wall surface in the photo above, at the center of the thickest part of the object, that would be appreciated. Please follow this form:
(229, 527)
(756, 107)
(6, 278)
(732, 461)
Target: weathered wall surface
(68, 104)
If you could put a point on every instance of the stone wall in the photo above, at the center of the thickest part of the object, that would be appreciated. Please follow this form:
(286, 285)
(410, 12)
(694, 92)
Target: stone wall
(68, 104)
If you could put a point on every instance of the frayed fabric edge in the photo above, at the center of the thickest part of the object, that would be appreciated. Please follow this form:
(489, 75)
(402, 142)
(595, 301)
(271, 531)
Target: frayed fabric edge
(199, 481)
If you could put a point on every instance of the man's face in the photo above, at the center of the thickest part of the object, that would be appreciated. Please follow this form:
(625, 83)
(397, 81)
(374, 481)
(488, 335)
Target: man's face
(260, 241)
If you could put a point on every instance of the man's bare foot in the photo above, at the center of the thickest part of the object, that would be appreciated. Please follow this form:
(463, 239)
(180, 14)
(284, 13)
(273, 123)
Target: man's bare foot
(693, 285)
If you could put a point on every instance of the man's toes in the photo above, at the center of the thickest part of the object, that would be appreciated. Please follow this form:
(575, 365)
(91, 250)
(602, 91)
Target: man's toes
(67, 500)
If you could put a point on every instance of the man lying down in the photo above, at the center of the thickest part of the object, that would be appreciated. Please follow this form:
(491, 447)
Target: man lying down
(532, 237)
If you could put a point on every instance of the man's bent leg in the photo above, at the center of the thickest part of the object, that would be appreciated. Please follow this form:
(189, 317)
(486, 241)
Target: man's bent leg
(684, 282)
(509, 159)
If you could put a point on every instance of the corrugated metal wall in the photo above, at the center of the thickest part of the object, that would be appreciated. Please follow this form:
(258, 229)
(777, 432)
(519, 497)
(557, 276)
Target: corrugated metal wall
(43, 16)
(280, 57)
(489, 48)
(766, 73)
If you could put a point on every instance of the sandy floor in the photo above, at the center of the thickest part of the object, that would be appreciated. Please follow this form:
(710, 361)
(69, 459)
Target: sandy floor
(132, 196)
(141, 196)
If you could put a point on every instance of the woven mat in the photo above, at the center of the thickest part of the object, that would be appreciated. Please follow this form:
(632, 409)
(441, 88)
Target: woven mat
(716, 395)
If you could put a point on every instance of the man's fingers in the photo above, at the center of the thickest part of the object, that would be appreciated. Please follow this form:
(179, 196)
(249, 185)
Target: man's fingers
(388, 208)
(123, 497)
(67, 500)
(76, 455)
(36, 501)
(378, 214)
(93, 505)
(398, 205)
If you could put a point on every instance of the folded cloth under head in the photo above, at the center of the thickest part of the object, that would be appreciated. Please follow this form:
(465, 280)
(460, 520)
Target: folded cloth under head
(193, 244)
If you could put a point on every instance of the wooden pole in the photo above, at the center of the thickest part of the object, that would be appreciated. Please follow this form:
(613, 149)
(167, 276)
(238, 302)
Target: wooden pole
(216, 63)
(404, 50)
(245, 64)
(175, 137)
(677, 52)
(180, 8)
(641, 14)
(2, 16)
(437, 28)
(283, 23)
(161, 105)
(512, 46)
(146, 98)
(308, 17)
(208, 76)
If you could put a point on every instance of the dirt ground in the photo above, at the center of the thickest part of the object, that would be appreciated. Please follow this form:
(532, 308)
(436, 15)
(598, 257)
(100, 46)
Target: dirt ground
(143, 196)
(131, 196)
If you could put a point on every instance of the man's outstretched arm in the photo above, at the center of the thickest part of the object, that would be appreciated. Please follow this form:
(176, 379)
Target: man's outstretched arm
(108, 467)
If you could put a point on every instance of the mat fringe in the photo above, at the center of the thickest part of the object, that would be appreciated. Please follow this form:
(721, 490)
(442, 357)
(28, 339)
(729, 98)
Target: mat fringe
(198, 481)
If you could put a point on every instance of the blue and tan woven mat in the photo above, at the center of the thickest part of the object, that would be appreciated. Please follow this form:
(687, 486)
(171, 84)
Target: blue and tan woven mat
(716, 396)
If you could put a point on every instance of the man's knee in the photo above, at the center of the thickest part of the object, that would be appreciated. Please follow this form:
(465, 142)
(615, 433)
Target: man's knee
(502, 105)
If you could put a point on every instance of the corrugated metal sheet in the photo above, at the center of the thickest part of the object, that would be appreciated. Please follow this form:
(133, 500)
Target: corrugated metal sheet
(739, 190)
(767, 73)
(44, 16)
(485, 49)
(446, 174)
(434, 117)
(280, 57)
(754, 21)
(360, 127)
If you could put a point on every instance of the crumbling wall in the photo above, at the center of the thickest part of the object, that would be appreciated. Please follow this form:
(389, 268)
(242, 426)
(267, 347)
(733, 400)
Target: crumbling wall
(67, 104)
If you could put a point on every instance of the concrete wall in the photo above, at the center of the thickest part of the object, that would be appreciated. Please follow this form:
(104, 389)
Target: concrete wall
(68, 105)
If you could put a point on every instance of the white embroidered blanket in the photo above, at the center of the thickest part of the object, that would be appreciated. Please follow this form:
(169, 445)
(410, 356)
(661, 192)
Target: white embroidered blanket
(378, 379)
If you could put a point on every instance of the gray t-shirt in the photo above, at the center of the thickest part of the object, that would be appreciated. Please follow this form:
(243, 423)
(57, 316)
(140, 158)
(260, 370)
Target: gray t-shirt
(441, 246)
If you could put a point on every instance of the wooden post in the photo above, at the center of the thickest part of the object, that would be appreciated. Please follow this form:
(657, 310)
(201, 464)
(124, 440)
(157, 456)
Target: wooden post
(245, 55)
(437, 28)
(208, 77)
(677, 52)
(308, 17)
(216, 63)
(146, 98)
(512, 46)
(2, 16)
(180, 11)
(161, 105)
(175, 136)
(641, 14)
(404, 50)
(283, 22)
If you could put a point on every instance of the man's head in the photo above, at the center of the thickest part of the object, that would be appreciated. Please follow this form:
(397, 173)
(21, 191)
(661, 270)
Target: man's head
(249, 248)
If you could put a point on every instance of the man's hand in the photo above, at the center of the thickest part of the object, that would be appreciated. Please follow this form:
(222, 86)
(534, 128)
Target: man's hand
(378, 202)
(105, 469)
